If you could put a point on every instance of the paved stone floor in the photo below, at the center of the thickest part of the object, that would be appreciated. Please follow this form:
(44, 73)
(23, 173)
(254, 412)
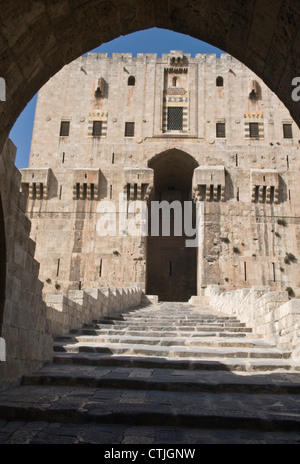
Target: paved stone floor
(57, 433)
(236, 389)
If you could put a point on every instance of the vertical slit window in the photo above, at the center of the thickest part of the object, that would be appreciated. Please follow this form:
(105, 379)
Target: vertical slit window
(202, 192)
(84, 191)
(92, 191)
(100, 268)
(257, 194)
(245, 271)
(264, 194)
(272, 195)
(58, 265)
(77, 191)
(34, 191)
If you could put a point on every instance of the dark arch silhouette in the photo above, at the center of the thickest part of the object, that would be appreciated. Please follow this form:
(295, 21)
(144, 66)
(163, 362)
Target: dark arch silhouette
(2, 265)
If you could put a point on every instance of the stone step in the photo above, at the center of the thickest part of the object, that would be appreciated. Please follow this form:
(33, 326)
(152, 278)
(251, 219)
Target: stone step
(163, 379)
(129, 437)
(169, 326)
(157, 333)
(171, 351)
(204, 364)
(165, 341)
(265, 412)
(173, 320)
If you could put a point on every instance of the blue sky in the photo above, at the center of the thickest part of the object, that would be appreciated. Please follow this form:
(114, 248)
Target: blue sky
(149, 41)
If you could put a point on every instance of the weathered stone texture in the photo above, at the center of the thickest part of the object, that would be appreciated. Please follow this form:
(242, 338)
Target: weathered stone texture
(24, 327)
(245, 181)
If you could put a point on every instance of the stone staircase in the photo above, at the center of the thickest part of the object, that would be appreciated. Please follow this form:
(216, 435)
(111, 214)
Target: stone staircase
(166, 373)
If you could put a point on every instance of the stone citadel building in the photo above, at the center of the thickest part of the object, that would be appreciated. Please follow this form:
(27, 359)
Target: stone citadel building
(175, 128)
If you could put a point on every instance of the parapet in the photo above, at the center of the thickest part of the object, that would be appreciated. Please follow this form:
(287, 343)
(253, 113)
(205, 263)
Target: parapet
(209, 183)
(264, 186)
(138, 183)
(37, 180)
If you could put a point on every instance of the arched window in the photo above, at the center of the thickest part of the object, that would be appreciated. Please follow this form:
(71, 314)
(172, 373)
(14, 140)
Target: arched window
(131, 80)
(174, 81)
(220, 81)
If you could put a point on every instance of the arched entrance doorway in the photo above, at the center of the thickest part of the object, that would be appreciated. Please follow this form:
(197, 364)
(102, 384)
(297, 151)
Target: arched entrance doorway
(171, 266)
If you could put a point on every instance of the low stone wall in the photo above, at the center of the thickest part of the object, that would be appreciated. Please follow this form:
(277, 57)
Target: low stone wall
(83, 306)
(269, 313)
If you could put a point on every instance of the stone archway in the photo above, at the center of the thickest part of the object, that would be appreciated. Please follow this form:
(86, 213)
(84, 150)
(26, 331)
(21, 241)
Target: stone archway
(38, 38)
(171, 265)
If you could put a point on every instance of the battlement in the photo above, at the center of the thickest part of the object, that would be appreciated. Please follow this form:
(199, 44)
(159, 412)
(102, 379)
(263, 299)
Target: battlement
(165, 57)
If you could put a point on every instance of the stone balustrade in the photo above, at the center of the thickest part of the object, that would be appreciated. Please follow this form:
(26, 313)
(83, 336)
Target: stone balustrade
(270, 314)
(83, 306)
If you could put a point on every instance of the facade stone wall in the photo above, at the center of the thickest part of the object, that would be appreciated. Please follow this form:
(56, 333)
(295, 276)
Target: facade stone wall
(209, 122)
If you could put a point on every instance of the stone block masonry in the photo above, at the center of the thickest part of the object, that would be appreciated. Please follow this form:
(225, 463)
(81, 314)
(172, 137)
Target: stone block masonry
(27, 322)
(81, 307)
(270, 314)
(23, 321)
(174, 128)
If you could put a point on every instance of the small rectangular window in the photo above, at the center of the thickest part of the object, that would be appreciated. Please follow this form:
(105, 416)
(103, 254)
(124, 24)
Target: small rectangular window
(254, 130)
(175, 118)
(64, 128)
(97, 128)
(287, 131)
(129, 129)
(221, 130)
